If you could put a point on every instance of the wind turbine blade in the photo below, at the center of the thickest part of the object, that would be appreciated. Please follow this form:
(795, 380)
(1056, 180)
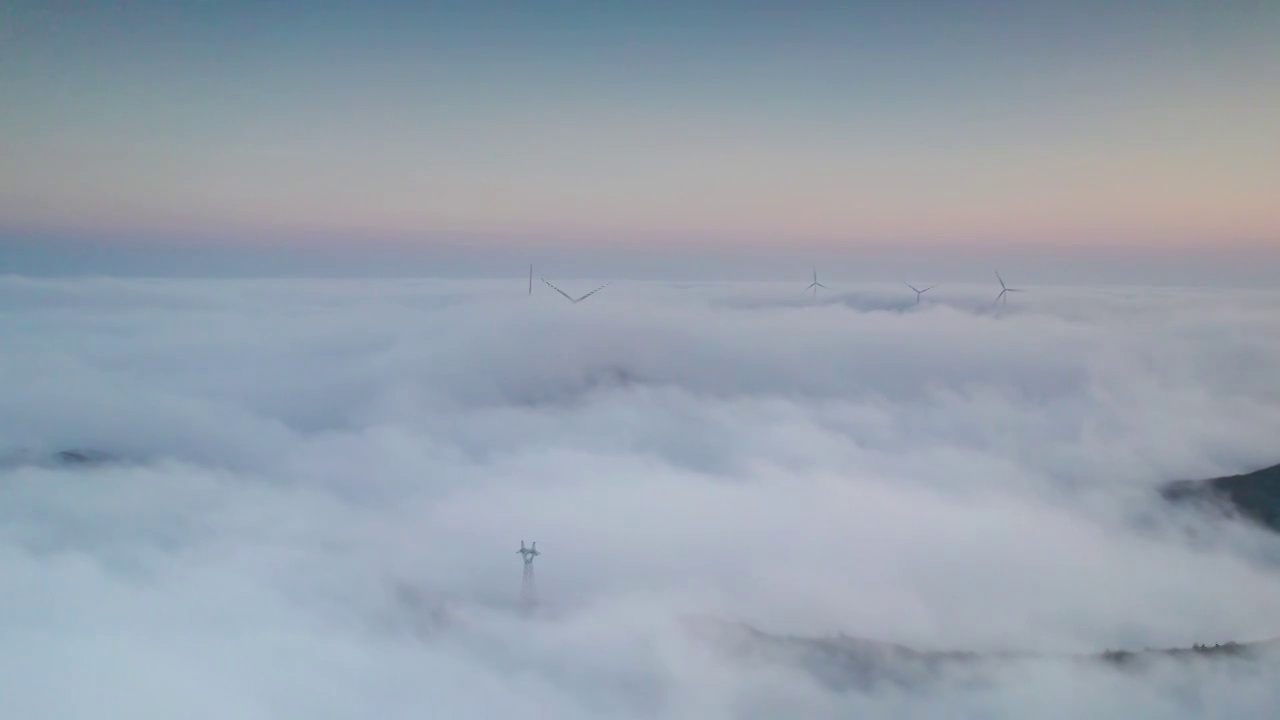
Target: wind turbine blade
(824, 287)
(928, 288)
(553, 287)
(593, 292)
(811, 286)
(913, 287)
(1000, 279)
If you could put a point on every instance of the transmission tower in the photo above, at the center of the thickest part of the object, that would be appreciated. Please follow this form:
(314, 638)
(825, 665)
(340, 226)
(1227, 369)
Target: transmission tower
(528, 595)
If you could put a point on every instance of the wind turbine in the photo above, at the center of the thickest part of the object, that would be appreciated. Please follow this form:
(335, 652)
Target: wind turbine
(1004, 289)
(530, 278)
(815, 285)
(919, 292)
(569, 297)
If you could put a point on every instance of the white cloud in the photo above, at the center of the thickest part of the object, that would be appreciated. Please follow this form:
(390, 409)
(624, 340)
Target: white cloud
(323, 484)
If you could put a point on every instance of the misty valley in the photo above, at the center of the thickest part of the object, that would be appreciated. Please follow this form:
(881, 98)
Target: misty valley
(311, 498)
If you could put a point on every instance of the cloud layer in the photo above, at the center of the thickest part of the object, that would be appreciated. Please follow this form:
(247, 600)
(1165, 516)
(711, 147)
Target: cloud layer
(321, 486)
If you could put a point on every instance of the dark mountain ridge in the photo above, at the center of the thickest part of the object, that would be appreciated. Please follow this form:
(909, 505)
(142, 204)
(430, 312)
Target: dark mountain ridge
(1254, 496)
(844, 663)
(59, 458)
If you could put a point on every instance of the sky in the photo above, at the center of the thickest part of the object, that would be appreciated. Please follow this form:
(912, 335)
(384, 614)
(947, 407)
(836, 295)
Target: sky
(320, 487)
(660, 140)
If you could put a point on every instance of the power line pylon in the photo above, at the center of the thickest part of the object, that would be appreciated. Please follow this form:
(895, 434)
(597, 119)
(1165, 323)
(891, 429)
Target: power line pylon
(528, 594)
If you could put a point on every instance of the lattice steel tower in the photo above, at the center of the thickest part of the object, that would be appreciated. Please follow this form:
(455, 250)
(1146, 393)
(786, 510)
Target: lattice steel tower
(528, 594)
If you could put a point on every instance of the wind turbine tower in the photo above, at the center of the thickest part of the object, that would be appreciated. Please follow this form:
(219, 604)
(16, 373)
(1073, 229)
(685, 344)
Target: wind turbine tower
(528, 595)
(530, 278)
(815, 285)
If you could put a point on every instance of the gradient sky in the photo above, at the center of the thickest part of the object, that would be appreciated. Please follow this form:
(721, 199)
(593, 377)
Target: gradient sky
(702, 128)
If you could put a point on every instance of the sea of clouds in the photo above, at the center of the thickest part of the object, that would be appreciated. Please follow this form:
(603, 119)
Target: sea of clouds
(320, 486)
